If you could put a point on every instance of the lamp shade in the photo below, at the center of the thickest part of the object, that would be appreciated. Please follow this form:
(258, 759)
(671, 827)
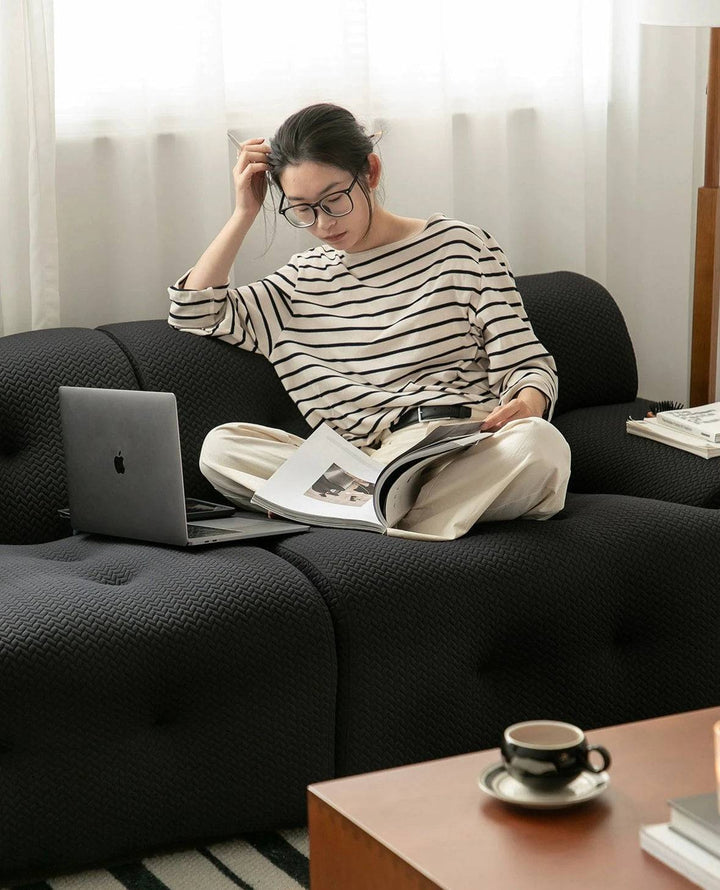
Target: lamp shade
(692, 13)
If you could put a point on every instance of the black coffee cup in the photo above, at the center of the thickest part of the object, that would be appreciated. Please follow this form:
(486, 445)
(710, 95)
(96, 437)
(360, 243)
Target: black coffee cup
(546, 754)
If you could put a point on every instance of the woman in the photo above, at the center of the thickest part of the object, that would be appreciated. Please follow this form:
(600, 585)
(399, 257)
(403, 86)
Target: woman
(386, 316)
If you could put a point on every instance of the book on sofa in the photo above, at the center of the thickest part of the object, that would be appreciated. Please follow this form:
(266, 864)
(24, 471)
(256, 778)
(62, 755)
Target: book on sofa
(653, 428)
(328, 481)
(702, 421)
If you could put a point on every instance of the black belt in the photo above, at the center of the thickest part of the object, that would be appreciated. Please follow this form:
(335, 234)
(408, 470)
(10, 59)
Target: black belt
(429, 412)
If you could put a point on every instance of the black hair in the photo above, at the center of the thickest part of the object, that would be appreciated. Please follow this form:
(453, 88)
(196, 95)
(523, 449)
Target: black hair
(325, 134)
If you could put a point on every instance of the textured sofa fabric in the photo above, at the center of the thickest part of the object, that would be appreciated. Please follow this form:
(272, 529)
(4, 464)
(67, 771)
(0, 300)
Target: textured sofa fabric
(152, 697)
(580, 324)
(581, 618)
(211, 385)
(606, 459)
(32, 474)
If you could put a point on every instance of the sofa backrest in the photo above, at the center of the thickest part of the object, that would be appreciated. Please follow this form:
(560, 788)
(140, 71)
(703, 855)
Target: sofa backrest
(32, 470)
(574, 317)
(582, 327)
(213, 383)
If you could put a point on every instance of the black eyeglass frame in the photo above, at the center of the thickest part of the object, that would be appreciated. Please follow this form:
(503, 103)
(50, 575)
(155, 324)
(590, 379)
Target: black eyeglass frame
(283, 210)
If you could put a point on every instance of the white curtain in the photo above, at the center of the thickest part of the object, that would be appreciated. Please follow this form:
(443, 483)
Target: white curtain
(28, 225)
(564, 128)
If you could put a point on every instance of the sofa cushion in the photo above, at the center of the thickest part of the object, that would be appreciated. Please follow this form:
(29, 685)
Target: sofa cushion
(607, 459)
(152, 696)
(588, 617)
(32, 468)
(580, 324)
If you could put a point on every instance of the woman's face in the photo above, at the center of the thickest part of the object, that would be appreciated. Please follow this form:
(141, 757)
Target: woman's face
(309, 182)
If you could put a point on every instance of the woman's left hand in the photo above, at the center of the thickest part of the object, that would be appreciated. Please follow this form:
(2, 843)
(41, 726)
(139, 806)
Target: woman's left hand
(528, 402)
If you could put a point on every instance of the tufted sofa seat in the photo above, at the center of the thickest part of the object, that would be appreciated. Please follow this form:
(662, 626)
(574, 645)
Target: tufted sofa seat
(603, 614)
(152, 697)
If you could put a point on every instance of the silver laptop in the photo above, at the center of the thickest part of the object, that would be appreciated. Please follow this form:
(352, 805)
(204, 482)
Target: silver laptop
(124, 472)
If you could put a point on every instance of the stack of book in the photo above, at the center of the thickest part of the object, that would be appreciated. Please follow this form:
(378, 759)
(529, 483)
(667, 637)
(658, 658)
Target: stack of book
(696, 430)
(690, 841)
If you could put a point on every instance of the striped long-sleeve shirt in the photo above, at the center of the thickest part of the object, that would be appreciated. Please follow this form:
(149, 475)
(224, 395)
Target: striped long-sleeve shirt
(357, 338)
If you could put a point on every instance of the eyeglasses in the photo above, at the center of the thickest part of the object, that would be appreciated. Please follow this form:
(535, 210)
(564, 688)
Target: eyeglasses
(302, 216)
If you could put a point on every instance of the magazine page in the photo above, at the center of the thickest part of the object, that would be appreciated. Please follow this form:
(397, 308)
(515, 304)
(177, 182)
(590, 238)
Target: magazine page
(328, 481)
(444, 434)
(401, 487)
(400, 481)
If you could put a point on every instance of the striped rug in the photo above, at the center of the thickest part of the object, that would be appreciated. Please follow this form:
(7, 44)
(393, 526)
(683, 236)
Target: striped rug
(260, 861)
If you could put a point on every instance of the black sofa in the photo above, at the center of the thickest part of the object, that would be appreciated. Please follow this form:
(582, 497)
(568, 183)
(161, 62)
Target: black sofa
(152, 697)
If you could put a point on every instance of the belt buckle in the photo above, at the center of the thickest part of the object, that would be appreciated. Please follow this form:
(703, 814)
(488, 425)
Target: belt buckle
(419, 413)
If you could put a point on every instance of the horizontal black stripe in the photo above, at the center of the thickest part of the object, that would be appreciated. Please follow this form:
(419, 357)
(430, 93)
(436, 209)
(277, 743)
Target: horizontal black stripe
(488, 340)
(439, 248)
(444, 363)
(472, 264)
(185, 290)
(388, 287)
(388, 357)
(371, 344)
(389, 383)
(458, 384)
(512, 317)
(501, 369)
(215, 300)
(536, 374)
(390, 298)
(399, 316)
(412, 246)
(516, 304)
(539, 370)
(451, 226)
(191, 317)
(531, 342)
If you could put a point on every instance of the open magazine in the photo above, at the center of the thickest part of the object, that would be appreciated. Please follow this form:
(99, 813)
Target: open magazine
(328, 481)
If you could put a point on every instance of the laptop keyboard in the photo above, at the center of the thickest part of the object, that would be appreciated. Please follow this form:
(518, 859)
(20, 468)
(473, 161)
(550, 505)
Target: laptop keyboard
(202, 531)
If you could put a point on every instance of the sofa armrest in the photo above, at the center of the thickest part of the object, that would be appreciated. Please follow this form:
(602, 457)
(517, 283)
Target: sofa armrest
(608, 460)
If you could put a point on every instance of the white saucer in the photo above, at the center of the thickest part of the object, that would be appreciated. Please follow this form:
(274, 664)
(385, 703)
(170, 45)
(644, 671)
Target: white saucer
(496, 782)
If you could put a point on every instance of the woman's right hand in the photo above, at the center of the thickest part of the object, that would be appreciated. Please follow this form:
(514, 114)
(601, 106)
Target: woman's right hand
(249, 177)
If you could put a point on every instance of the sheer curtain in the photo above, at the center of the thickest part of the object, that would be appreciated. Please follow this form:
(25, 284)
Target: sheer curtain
(563, 128)
(28, 226)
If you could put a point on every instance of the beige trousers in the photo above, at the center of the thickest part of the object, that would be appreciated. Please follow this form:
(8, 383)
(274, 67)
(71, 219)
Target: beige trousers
(520, 471)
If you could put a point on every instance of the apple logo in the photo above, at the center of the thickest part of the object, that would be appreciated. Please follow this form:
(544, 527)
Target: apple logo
(119, 462)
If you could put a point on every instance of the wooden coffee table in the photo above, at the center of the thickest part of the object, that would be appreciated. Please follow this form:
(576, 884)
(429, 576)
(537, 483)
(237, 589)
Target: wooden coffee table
(429, 825)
